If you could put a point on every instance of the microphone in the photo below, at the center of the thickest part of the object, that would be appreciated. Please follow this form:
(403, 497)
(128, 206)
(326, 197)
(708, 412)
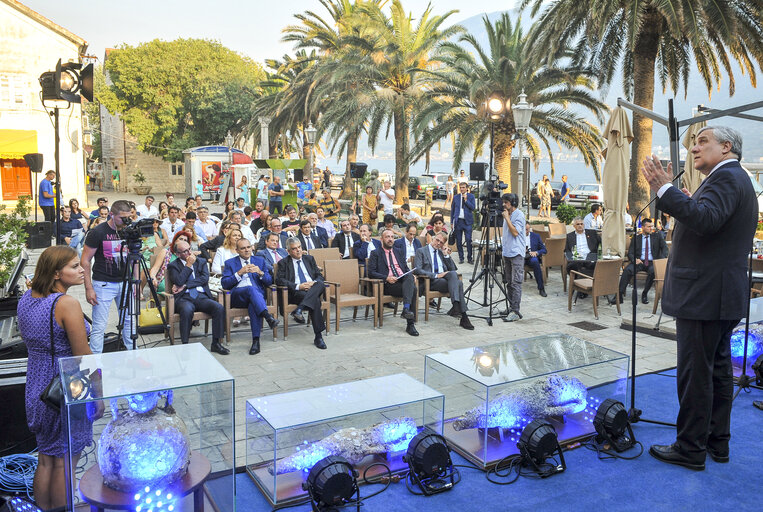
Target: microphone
(655, 196)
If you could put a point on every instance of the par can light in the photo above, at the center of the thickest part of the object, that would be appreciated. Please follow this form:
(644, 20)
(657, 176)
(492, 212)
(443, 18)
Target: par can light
(612, 425)
(537, 443)
(332, 482)
(429, 463)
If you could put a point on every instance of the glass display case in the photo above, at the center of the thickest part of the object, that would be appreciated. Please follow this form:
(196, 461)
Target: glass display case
(493, 391)
(754, 340)
(150, 429)
(367, 422)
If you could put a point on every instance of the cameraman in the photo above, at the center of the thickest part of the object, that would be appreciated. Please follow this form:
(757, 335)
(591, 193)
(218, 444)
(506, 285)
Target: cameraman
(513, 240)
(104, 242)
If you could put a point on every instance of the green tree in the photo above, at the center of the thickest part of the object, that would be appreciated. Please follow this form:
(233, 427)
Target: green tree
(663, 37)
(457, 92)
(179, 94)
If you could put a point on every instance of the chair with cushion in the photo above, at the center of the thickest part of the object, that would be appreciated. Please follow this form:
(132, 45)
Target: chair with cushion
(346, 289)
(231, 312)
(172, 317)
(605, 281)
(556, 229)
(554, 257)
(324, 254)
(429, 294)
(285, 309)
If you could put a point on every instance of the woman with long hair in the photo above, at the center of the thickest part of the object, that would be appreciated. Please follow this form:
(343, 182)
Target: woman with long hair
(438, 225)
(229, 207)
(435, 217)
(226, 251)
(47, 315)
(76, 212)
(449, 186)
(369, 207)
(545, 202)
(243, 186)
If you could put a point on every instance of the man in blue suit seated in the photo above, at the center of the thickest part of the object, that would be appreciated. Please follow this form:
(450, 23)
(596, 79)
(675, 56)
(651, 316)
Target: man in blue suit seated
(462, 219)
(389, 265)
(272, 254)
(275, 227)
(534, 255)
(190, 286)
(410, 241)
(366, 245)
(247, 277)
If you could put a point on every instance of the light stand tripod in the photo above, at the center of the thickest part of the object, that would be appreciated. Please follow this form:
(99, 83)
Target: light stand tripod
(129, 299)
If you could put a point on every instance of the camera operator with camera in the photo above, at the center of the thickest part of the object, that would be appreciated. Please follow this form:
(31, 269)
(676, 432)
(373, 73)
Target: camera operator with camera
(513, 242)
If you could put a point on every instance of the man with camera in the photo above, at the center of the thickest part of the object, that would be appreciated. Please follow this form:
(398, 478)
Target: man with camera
(462, 220)
(514, 248)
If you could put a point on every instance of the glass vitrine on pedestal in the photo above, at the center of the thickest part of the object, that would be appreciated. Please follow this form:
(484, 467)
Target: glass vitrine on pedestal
(493, 391)
(367, 422)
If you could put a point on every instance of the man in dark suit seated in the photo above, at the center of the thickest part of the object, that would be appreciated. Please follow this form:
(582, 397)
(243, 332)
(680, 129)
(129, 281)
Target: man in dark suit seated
(301, 275)
(434, 262)
(190, 286)
(306, 237)
(534, 255)
(706, 289)
(389, 265)
(644, 249)
(365, 245)
(275, 227)
(272, 254)
(345, 239)
(323, 235)
(410, 241)
(247, 277)
(581, 251)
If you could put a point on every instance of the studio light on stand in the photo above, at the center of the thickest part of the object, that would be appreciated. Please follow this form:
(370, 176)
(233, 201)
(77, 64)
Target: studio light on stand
(429, 463)
(537, 443)
(332, 483)
(612, 425)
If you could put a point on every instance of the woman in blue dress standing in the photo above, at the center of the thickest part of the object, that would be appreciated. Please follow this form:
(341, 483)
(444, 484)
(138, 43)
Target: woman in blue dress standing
(243, 186)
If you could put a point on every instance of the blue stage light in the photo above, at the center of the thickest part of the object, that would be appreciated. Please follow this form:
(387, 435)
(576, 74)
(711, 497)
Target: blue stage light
(143, 402)
(397, 434)
(152, 501)
(573, 392)
(754, 345)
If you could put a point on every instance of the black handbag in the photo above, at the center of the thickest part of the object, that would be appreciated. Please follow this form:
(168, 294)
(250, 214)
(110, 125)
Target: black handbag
(452, 237)
(53, 394)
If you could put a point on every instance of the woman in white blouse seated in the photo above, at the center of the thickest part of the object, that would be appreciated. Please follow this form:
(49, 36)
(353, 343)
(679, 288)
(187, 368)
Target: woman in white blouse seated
(226, 251)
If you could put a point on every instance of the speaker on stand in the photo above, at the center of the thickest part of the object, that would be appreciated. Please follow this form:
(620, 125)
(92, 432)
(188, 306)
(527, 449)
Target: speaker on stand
(357, 171)
(477, 172)
(34, 161)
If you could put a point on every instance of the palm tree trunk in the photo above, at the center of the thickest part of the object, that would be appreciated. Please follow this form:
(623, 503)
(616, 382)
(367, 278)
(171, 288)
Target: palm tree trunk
(644, 60)
(502, 148)
(400, 117)
(348, 192)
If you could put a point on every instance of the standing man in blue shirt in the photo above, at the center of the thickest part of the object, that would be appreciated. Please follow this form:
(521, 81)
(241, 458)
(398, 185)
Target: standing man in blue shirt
(47, 198)
(303, 187)
(462, 220)
(276, 196)
(565, 189)
(514, 247)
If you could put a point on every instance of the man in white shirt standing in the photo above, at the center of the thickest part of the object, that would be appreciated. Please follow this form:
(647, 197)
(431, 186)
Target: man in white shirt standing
(147, 210)
(387, 197)
(172, 224)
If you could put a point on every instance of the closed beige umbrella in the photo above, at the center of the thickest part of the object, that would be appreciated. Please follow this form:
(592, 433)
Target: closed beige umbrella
(615, 182)
(692, 177)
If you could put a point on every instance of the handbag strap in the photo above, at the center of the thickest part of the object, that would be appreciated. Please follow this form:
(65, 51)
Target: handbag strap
(52, 346)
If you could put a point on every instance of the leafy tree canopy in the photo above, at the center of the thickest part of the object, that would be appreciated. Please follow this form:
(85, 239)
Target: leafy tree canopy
(180, 94)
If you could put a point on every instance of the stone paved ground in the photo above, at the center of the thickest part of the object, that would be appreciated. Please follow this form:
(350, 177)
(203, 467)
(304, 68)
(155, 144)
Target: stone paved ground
(358, 351)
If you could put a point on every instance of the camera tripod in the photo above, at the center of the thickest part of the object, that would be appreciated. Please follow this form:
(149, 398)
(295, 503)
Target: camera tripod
(488, 267)
(129, 299)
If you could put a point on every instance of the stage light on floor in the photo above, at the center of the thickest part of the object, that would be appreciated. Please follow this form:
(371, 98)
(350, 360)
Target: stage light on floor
(21, 505)
(332, 482)
(612, 425)
(537, 443)
(429, 463)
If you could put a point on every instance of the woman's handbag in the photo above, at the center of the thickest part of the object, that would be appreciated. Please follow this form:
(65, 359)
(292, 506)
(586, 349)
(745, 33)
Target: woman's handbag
(149, 316)
(452, 238)
(53, 394)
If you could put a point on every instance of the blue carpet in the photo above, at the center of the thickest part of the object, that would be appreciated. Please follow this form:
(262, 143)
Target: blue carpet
(641, 484)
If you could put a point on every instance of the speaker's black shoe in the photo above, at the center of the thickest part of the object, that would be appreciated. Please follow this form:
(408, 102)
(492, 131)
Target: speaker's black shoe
(460, 261)
(297, 316)
(465, 323)
(411, 329)
(255, 349)
(455, 312)
(644, 298)
(542, 293)
(318, 342)
(720, 456)
(407, 314)
(470, 261)
(669, 453)
(217, 347)
(271, 320)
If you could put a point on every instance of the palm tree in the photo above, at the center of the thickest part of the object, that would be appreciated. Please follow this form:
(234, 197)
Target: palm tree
(644, 37)
(471, 74)
(387, 55)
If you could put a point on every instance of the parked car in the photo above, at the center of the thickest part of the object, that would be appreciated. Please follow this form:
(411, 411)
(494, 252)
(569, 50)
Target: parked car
(337, 181)
(591, 192)
(418, 186)
(555, 199)
(441, 180)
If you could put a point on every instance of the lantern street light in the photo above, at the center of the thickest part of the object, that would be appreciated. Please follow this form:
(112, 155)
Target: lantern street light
(229, 143)
(523, 112)
(310, 132)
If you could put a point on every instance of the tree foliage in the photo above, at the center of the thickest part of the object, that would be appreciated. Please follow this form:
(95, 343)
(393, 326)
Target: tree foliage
(180, 94)
(13, 236)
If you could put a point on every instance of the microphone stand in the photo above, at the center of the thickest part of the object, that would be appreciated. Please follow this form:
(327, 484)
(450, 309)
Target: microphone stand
(634, 415)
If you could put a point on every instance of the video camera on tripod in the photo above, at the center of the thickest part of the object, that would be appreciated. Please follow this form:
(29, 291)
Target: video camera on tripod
(492, 205)
(133, 232)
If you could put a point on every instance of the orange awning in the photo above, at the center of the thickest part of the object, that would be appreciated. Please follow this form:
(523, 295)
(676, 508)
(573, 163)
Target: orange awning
(17, 143)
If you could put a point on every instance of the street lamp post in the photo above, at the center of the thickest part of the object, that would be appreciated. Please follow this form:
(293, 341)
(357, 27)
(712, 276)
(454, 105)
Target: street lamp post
(523, 112)
(229, 143)
(310, 132)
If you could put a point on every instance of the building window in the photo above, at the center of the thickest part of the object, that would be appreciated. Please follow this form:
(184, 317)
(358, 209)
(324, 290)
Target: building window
(176, 169)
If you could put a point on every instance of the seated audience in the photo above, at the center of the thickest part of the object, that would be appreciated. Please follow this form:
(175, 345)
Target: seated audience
(272, 254)
(363, 248)
(306, 237)
(534, 256)
(644, 249)
(345, 239)
(275, 227)
(227, 250)
(410, 241)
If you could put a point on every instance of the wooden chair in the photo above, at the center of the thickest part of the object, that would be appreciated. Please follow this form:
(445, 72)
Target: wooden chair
(285, 309)
(172, 317)
(557, 229)
(230, 312)
(605, 281)
(347, 292)
(555, 257)
(430, 294)
(660, 266)
(321, 255)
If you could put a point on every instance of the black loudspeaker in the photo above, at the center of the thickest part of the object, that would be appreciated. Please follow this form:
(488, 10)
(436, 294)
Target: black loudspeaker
(39, 234)
(16, 436)
(34, 161)
(299, 175)
(477, 171)
(358, 169)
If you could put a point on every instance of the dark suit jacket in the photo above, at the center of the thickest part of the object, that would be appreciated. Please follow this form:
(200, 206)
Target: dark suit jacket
(211, 245)
(265, 254)
(263, 237)
(313, 239)
(323, 236)
(180, 275)
(340, 240)
(233, 265)
(423, 265)
(706, 277)
(377, 267)
(400, 242)
(657, 247)
(286, 276)
(593, 245)
(469, 205)
(536, 244)
(360, 249)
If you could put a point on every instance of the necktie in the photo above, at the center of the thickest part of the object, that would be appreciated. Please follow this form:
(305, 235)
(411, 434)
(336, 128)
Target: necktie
(302, 278)
(391, 264)
(308, 243)
(193, 292)
(436, 266)
(646, 252)
(347, 245)
(276, 256)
